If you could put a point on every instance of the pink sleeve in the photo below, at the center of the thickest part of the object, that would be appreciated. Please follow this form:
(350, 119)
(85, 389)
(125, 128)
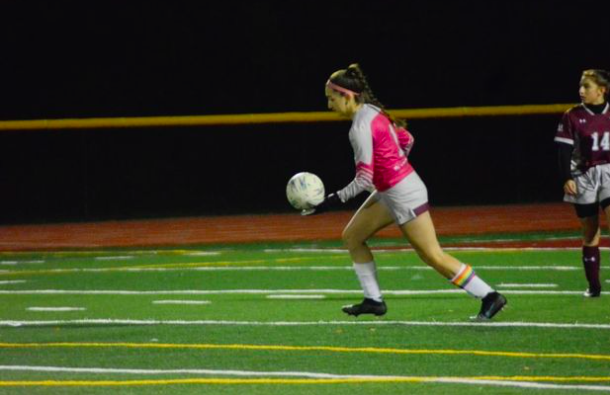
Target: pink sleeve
(405, 140)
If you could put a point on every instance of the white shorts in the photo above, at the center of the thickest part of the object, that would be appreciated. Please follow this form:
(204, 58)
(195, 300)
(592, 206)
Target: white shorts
(592, 186)
(405, 200)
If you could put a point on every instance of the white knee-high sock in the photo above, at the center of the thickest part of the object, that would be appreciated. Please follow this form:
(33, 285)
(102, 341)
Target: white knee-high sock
(467, 279)
(367, 275)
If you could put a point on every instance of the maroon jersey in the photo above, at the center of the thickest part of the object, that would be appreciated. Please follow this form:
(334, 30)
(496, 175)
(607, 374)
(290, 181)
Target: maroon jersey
(588, 133)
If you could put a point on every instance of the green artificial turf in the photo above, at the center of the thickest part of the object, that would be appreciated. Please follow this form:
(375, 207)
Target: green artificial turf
(426, 333)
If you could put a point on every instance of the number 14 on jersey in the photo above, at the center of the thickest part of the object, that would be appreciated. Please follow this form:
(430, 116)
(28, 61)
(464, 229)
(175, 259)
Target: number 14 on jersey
(604, 143)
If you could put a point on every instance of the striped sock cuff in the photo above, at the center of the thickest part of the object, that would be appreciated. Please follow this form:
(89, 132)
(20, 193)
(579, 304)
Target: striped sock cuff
(464, 276)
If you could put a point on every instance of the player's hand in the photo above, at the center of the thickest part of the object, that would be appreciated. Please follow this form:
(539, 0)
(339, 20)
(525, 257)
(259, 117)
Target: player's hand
(331, 200)
(570, 188)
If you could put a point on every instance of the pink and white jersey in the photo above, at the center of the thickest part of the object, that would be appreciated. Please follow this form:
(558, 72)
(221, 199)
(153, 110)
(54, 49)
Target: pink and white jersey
(588, 133)
(380, 152)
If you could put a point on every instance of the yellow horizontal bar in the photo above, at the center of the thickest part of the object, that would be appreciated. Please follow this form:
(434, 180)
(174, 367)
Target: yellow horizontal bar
(266, 347)
(452, 112)
(286, 117)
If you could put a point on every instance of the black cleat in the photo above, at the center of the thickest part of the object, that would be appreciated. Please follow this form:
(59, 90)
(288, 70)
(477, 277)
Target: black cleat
(368, 306)
(592, 293)
(491, 305)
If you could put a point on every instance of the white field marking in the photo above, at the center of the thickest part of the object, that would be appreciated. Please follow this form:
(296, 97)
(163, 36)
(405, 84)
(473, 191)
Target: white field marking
(93, 252)
(243, 373)
(12, 282)
(265, 292)
(181, 302)
(14, 263)
(56, 308)
(509, 249)
(312, 375)
(379, 268)
(458, 249)
(277, 268)
(296, 296)
(501, 240)
(304, 249)
(282, 268)
(202, 253)
(111, 321)
(510, 285)
(519, 384)
(114, 258)
(182, 253)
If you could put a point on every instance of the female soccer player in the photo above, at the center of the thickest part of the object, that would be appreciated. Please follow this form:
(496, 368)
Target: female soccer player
(381, 145)
(583, 137)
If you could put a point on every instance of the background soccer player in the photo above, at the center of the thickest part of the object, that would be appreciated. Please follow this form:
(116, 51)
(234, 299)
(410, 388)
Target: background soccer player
(381, 145)
(583, 137)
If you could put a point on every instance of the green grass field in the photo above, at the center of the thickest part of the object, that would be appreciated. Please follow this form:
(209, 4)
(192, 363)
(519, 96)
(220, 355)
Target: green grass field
(266, 319)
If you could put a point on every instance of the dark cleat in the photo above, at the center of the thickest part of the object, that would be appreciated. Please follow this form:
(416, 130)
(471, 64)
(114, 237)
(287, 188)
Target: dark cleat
(368, 306)
(491, 305)
(592, 293)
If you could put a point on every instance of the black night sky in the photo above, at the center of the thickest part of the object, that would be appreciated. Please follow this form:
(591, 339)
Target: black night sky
(79, 59)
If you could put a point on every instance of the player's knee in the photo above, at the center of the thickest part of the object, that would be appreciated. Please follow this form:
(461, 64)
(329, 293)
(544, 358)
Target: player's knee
(590, 236)
(351, 239)
(590, 241)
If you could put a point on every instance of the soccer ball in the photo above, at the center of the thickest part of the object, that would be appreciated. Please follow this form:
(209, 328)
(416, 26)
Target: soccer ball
(305, 191)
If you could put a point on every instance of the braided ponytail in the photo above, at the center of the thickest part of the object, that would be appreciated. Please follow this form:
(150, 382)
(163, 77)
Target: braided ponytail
(353, 78)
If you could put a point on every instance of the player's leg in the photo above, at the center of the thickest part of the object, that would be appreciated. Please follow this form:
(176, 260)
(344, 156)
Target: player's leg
(421, 234)
(589, 223)
(605, 204)
(590, 187)
(371, 217)
(603, 195)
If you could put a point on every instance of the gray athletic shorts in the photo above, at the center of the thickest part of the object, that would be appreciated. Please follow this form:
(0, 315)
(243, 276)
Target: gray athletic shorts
(592, 186)
(405, 200)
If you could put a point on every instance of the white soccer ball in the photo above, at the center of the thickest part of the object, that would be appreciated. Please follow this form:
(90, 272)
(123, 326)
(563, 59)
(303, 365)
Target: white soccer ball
(305, 191)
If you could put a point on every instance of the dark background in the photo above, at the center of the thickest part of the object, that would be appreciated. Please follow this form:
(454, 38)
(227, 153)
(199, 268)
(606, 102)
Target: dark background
(124, 58)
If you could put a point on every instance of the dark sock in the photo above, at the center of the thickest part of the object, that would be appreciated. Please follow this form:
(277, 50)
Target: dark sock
(590, 260)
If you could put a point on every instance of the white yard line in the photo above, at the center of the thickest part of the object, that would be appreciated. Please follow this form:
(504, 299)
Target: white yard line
(288, 268)
(265, 292)
(110, 321)
(409, 249)
(511, 285)
(202, 253)
(379, 268)
(114, 258)
(519, 384)
(181, 302)
(15, 263)
(296, 296)
(12, 282)
(311, 375)
(53, 309)
(306, 250)
(243, 373)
